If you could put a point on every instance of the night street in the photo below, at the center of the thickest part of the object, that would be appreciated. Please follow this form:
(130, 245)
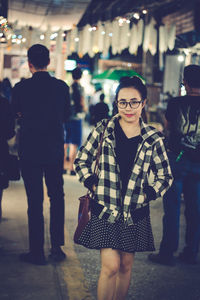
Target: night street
(76, 278)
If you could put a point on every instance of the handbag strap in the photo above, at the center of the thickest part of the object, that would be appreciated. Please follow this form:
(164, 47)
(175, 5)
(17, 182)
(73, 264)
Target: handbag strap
(99, 149)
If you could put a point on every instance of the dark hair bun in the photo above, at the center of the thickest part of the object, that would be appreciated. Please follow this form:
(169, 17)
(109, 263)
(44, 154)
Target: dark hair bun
(134, 82)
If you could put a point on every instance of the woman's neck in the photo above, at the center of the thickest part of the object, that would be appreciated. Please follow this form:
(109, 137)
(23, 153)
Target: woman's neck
(130, 129)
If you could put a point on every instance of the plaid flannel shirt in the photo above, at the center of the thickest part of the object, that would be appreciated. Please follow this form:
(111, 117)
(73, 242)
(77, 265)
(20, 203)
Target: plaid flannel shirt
(151, 156)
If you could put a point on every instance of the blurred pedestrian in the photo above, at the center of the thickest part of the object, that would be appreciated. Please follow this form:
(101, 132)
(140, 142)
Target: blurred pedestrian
(101, 110)
(7, 134)
(96, 95)
(120, 221)
(73, 127)
(6, 88)
(183, 125)
(42, 104)
(93, 101)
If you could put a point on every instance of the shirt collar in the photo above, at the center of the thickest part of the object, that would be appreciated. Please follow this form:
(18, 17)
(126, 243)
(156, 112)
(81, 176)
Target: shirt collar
(41, 74)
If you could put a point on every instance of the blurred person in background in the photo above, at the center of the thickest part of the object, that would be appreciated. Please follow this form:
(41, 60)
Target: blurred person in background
(101, 110)
(7, 136)
(73, 127)
(93, 101)
(6, 89)
(183, 127)
(42, 105)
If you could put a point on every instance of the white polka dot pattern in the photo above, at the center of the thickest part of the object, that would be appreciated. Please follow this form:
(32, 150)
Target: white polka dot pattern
(99, 233)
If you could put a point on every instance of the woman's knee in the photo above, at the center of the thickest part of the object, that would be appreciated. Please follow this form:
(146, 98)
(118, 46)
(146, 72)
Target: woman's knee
(126, 262)
(110, 269)
(110, 262)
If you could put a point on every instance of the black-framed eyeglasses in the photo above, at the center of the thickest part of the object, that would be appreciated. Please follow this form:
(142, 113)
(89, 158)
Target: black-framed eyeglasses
(133, 104)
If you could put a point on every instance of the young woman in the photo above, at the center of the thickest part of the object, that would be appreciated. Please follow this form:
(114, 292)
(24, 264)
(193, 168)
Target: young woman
(120, 223)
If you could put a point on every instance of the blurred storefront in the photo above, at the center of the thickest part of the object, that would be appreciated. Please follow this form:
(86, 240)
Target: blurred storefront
(153, 38)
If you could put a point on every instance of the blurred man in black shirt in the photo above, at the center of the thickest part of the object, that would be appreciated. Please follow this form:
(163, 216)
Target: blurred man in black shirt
(101, 110)
(183, 124)
(42, 106)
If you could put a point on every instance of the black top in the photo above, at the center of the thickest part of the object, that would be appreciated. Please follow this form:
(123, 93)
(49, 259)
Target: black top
(43, 104)
(76, 93)
(126, 149)
(183, 115)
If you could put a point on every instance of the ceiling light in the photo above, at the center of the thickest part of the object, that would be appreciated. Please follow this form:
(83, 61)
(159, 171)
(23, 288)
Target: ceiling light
(53, 36)
(136, 16)
(85, 72)
(181, 58)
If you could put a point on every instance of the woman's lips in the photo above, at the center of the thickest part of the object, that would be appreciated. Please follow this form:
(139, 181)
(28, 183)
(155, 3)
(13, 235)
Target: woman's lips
(129, 115)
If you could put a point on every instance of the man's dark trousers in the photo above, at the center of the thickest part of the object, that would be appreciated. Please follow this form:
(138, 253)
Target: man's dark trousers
(33, 175)
(187, 181)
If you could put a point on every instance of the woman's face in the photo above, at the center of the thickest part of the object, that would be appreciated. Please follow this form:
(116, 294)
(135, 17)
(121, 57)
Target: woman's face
(130, 114)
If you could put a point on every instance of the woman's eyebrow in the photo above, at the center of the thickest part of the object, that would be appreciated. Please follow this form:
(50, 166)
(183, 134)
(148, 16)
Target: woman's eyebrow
(135, 99)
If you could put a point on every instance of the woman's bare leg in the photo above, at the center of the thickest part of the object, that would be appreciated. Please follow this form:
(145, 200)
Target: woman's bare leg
(124, 275)
(110, 263)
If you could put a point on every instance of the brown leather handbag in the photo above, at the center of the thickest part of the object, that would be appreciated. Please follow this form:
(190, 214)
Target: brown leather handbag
(84, 212)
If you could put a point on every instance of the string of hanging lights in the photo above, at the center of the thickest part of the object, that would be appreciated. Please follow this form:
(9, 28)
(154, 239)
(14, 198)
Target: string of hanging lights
(128, 31)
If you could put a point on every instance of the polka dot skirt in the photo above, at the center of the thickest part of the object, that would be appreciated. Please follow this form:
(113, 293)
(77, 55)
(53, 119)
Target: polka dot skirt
(99, 233)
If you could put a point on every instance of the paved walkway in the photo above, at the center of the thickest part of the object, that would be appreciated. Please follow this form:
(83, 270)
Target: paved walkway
(76, 278)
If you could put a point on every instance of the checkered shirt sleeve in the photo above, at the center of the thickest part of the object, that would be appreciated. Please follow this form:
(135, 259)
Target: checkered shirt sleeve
(86, 156)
